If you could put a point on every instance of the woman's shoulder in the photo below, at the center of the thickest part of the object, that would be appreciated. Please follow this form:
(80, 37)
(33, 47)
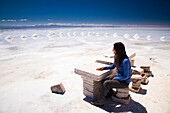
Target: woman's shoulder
(126, 60)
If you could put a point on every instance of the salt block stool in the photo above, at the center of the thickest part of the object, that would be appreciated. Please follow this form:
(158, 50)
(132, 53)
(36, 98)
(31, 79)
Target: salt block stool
(121, 95)
(136, 83)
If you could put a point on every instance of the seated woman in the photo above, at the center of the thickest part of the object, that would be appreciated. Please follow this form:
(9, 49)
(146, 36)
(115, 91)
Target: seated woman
(123, 74)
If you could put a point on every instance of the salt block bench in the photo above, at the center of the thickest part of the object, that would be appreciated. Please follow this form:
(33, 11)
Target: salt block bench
(92, 78)
(144, 72)
(121, 96)
(135, 85)
(147, 73)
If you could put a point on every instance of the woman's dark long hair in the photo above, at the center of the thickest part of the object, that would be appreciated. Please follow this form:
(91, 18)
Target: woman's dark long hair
(120, 53)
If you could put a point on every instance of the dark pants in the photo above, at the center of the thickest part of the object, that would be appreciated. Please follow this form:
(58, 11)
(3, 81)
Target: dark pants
(108, 85)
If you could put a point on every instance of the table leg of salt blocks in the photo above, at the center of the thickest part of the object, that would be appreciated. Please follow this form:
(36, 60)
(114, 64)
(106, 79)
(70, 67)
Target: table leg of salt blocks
(92, 78)
(91, 88)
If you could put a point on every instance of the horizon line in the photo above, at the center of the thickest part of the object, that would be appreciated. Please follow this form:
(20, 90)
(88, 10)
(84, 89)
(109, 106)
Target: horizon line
(55, 25)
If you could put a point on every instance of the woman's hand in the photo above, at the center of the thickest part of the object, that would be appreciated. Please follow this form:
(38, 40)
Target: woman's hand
(101, 68)
(111, 77)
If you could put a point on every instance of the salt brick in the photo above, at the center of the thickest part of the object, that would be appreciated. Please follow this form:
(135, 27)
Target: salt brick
(145, 68)
(122, 95)
(91, 88)
(123, 101)
(138, 71)
(59, 88)
(90, 94)
(136, 90)
(126, 90)
(136, 77)
(91, 82)
(135, 86)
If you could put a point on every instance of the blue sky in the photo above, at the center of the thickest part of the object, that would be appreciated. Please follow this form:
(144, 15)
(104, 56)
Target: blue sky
(87, 11)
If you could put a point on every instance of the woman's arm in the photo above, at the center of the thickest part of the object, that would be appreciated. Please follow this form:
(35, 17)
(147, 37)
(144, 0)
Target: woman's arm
(107, 67)
(126, 71)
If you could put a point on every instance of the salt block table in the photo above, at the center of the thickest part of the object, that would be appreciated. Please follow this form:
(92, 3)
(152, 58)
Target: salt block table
(92, 78)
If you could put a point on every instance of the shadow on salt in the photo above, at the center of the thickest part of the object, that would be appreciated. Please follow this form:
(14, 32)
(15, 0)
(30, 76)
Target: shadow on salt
(111, 106)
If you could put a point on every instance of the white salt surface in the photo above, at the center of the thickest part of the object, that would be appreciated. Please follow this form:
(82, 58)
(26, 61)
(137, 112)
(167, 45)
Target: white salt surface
(30, 67)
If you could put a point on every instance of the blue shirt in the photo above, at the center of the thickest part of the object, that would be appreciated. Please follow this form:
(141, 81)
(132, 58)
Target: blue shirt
(123, 72)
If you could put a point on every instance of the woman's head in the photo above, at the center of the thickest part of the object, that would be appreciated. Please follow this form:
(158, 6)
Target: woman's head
(119, 48)
(120, 53)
